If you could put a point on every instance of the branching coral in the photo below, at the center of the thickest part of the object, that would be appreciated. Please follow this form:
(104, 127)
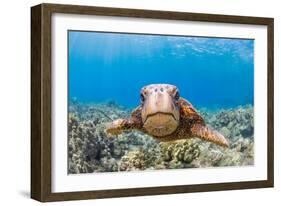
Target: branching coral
(91, 150)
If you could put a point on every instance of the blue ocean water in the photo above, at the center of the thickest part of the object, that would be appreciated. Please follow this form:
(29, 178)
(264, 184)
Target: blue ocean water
(209, 72)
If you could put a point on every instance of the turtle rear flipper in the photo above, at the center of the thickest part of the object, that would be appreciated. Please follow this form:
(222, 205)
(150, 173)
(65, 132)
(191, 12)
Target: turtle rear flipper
(206, 133)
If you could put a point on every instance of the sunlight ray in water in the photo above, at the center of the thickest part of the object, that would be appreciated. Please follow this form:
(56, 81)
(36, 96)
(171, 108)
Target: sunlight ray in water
(106, 74)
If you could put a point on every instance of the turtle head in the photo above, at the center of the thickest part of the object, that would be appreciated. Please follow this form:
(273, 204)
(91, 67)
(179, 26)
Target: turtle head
(160, 112)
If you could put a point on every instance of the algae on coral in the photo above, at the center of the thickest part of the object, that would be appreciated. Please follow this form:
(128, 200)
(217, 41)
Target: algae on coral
(91, 150)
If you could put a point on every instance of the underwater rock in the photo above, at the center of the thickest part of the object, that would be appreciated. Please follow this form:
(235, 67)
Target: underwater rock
(133, 160)
(225, 131)
(233, 122)
(91, 150)
(240, 153)
(184, 151)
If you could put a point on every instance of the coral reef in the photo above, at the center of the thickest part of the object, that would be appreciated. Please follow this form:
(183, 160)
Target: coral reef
(180, 154)
(91, 150)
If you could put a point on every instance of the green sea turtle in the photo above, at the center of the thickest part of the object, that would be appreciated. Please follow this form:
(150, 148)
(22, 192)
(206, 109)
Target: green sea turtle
(166, 116)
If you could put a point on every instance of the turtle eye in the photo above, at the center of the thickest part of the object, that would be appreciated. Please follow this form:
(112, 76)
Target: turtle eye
(142, 97)
(177, 95)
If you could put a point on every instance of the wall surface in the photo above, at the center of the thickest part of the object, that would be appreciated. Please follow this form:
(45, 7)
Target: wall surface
(15, 102)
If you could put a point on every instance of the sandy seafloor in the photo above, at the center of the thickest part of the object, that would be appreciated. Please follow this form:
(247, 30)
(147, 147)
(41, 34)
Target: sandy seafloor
(91, 150)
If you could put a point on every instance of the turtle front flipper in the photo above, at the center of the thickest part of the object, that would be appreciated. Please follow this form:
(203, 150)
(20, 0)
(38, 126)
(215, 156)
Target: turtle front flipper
(206, 133)
(118, 126)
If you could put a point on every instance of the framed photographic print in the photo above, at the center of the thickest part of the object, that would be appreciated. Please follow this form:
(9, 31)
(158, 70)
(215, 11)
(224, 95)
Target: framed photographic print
(130, 102)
